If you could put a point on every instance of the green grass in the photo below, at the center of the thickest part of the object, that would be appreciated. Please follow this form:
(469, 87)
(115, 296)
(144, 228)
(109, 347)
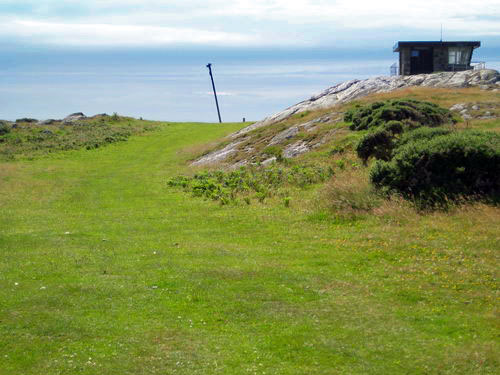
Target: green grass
(105, 270)
(32, 140)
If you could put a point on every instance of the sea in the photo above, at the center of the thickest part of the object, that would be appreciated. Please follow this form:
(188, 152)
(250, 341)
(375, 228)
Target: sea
(174, 85)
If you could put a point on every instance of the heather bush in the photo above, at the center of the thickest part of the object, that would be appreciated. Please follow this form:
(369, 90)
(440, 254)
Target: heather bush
(436, 167)
(380, 143)
(413, 113)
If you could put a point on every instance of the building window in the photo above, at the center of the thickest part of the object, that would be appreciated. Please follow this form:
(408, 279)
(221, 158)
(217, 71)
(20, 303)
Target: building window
(459, 55)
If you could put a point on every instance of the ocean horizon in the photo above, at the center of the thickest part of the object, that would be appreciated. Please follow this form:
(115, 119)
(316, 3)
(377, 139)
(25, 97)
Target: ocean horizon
(175, 85)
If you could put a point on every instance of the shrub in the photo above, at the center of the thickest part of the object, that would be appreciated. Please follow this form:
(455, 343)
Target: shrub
(434, 167)
(274, 151)
(262, 182)
(380, 143)
(414, 113)
(4, 128)
(422, 133)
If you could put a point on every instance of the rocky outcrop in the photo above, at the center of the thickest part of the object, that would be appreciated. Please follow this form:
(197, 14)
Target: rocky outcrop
(345, 92)
(74, 117)
(50, 121)
(354, 89)
(218, 155)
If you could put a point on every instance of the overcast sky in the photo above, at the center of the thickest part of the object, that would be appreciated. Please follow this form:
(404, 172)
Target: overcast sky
(242, 23)
(130, 37)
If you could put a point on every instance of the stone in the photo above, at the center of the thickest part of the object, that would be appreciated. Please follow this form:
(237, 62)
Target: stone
(458, 107)
(295, 149)
(48, 122)
(100, 115)
(218, 155)
(475, 107)
(354, 89)
(77, 116)
(285, 134)
(269, 161)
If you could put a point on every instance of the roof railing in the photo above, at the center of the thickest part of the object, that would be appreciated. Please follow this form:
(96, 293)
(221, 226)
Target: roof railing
(394, 69)
(478, 65)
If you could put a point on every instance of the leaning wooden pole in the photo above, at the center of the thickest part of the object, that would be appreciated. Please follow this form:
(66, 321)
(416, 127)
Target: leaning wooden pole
(209, 66)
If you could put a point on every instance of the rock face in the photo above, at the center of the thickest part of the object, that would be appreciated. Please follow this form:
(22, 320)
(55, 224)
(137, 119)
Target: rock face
(354, 89)
(74, 117)
(218, 155)
(345, 92)
(50, 121)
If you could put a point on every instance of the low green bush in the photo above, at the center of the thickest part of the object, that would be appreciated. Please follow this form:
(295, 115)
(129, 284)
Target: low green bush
(4, 128)
(381, 142)
(274, 151)
(412, 112)
(434, 167)
(260, 182)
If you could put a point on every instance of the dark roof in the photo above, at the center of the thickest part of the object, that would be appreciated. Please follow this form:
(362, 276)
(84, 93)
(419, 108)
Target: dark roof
(398, 45)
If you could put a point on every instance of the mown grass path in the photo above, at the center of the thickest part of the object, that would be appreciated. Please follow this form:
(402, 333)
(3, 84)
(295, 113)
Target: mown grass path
(104, 270)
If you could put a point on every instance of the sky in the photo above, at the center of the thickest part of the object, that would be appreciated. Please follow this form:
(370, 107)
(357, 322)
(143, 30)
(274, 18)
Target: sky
(147, 57)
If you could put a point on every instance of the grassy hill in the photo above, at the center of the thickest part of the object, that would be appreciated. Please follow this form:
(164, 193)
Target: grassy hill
(104, 269)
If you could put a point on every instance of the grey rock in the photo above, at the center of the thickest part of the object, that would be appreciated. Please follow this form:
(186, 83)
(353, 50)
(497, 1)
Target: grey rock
(458, 107)
(48, 122)
(475, 107)
(74, 117)
(218, 155)
(354, 89)
(269, 161)
(47, 132)
(295, 149)
(285, 134)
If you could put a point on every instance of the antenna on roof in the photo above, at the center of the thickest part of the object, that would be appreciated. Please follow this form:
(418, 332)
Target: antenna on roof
(441, 32)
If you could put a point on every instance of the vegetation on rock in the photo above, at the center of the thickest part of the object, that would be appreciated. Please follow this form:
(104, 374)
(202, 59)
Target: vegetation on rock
(413, 113)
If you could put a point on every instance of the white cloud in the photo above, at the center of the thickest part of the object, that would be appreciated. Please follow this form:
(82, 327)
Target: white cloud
(118, 35)
(242, 22)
